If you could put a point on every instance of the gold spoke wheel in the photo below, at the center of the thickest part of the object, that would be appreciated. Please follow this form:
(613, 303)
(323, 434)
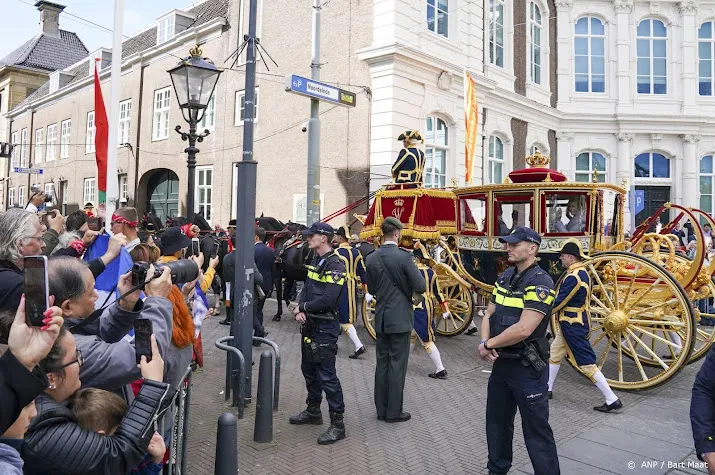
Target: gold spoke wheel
(368, 317)
(460, 305)
(639, 314)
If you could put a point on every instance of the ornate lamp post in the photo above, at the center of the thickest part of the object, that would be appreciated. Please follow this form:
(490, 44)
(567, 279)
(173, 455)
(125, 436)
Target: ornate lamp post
(194, 81)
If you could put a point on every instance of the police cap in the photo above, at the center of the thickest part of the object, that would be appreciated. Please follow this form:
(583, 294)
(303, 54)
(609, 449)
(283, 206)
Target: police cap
(521, 233)
(319, 228)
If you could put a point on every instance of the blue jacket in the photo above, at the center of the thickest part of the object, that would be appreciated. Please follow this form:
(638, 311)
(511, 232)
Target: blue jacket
(702, 407)
(265, 258)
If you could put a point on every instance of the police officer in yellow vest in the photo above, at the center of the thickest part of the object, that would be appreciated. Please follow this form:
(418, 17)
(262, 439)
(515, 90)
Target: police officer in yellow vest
(410, 162)
(572, 307)
(514, 340)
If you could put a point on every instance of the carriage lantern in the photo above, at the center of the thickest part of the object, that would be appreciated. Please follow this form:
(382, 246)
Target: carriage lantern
(194, 80)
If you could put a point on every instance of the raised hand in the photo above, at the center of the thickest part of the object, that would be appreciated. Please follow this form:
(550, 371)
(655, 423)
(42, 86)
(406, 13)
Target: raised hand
(31, 344)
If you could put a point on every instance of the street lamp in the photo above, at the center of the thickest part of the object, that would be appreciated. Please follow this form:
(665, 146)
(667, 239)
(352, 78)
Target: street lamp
(194, 81)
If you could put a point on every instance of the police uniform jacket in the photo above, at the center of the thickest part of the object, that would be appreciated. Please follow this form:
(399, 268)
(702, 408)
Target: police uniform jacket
(572, 310)
(393, 311)
(409, 166)
(513, 293)
(326, 276)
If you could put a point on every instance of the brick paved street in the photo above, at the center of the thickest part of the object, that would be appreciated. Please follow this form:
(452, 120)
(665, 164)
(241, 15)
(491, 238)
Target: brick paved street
(446, 433)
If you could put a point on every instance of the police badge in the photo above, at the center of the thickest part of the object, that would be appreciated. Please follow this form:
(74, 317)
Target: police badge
(542, 292)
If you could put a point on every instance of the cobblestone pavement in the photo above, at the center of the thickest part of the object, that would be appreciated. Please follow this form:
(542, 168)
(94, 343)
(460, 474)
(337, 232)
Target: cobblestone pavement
(447, 430)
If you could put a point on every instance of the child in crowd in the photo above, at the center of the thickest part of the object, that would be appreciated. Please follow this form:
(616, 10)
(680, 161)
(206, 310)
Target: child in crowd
(101, 411)
(11, 440)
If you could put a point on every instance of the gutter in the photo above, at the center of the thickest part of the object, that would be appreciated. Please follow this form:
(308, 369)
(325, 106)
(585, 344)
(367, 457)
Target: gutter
(139, 135)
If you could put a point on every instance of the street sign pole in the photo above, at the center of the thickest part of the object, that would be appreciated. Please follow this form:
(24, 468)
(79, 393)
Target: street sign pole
(312, 196)
(243, 301)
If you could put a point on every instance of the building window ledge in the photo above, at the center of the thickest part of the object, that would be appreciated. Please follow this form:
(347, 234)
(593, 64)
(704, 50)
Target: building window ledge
(538, 93)
(504, 78)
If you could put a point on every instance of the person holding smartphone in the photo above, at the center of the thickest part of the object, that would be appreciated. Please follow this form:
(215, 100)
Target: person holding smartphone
(111, 359)
(56, 443)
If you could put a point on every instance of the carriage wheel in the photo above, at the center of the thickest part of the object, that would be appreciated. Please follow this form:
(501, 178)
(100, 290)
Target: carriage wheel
(460, 304)
(368, 317)
(638, 309)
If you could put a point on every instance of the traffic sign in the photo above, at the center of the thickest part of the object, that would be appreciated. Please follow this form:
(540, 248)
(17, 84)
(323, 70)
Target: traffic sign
(34, 171)
(640, 200)
(319, 90)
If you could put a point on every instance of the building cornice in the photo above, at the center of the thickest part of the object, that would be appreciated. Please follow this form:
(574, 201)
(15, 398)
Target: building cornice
(141, 57)
(387, 52)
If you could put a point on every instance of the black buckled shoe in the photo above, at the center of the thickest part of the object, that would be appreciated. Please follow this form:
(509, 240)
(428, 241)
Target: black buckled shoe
(404, 416)
(614, 406)
(276, 318)
(224, 322)
(335, 432)
(311, 415)
(439, 375)
(358, 352)
(551, 394)
(472, 331)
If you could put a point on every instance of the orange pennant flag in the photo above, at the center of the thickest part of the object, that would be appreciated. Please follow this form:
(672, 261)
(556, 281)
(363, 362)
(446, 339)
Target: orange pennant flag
(471, 119)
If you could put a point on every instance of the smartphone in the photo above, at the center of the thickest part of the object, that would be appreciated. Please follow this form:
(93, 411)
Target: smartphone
(195, 246)
(216, 247)
(94, 224)
(143, 330)
(37, 293)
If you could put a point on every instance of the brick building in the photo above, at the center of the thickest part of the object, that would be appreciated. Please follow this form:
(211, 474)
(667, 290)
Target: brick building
(59, 117)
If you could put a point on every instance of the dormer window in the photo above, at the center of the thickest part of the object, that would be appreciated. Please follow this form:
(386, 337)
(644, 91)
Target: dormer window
(165, 30)
(54, 82)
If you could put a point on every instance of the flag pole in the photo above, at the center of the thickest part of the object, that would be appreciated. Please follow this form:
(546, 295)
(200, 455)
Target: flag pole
(112, 147)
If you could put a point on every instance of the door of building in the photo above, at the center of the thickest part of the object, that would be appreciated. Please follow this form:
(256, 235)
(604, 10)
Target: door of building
(654, 197)
(163, 194)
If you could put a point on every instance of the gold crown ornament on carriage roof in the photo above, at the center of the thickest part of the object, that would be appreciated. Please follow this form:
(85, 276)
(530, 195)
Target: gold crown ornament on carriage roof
(537, 159)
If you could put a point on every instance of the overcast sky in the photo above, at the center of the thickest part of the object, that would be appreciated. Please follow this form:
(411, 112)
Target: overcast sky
(23, 20)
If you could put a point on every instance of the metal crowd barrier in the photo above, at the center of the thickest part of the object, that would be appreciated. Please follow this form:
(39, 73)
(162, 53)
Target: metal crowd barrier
(238, 376)
(181, 410)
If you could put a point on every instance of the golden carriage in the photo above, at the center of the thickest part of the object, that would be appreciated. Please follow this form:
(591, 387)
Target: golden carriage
(645, 325)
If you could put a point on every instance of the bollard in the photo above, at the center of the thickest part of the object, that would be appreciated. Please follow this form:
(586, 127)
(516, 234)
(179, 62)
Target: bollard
(226, 445)
(263, 430)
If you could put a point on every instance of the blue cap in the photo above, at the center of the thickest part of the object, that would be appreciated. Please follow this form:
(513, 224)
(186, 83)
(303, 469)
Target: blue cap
(521, 233)
(319, 228)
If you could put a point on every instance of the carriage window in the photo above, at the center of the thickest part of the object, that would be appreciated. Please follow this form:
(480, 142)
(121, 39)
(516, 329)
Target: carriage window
(511, 213)
(565, 213)
(472, 214)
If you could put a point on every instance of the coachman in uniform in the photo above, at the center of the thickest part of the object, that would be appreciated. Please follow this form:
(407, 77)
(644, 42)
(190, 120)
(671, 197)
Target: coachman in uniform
(410, 162)
(424, 311)
(514, 339)
(348, 304)
(318, 312)
(573, 297)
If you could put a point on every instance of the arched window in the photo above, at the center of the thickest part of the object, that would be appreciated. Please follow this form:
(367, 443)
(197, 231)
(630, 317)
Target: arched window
(652, 57)
(589, 46)
(706, 59)
(652, 165)
(496, 160)
(707, 177)
(437, 17)
(496, 32)
(534, 43)
(436, 147)
(586, 163)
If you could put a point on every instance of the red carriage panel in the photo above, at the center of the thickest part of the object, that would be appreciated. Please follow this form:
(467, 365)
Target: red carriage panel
(425, 213)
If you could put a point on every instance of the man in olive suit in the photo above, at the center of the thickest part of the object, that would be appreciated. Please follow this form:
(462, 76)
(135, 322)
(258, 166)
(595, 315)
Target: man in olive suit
(392, 278)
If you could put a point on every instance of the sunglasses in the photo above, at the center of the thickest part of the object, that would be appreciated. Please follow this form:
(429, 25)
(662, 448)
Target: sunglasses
(79, 360)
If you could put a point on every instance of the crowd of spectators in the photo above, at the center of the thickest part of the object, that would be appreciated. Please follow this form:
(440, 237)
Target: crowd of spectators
(75, 401)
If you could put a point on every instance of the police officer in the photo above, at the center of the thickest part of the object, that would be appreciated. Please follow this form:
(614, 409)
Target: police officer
(348, 303)
(410, 162)
(514, 340)
(317, 311)
(573, 297)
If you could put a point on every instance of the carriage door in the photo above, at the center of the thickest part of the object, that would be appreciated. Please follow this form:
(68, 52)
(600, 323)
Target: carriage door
(655, 197)
(163, 194)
